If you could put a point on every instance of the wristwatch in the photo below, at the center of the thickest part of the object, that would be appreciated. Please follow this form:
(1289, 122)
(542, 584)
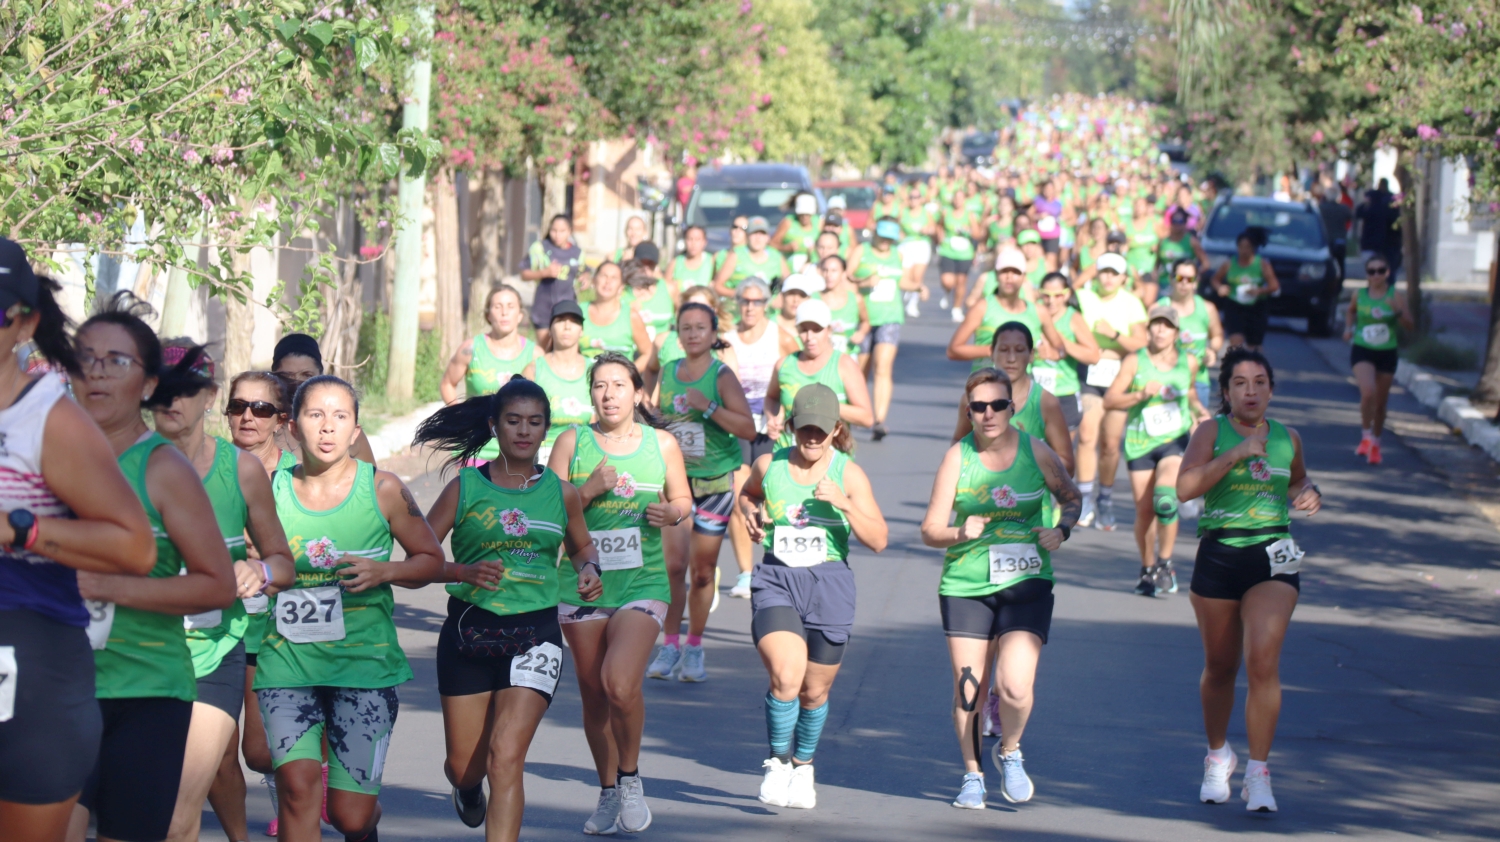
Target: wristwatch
(713, 406)
(1067, 531)
(22, 521)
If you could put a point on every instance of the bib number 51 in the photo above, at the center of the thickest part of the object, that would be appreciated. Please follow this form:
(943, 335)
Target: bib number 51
(1285, 556)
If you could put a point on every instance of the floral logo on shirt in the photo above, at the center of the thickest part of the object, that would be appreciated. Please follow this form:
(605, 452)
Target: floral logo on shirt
(515, 522)
(680, 404)
(1004, 497)
(573, 407)
(1260, 470)
(625, 485)
(797, 515)
(321, 553)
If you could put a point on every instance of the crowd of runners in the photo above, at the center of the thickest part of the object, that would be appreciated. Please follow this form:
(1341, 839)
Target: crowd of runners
(173, 602)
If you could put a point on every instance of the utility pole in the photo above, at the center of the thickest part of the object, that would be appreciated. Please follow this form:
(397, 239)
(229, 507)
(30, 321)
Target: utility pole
(408, 285)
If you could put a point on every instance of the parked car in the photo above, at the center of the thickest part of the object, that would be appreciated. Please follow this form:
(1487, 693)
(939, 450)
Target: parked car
(978, 148)
(1297, 247)
(858, 196)
(722, 193)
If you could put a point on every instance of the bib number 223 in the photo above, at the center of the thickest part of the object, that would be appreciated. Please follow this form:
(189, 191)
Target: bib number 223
(537, 668)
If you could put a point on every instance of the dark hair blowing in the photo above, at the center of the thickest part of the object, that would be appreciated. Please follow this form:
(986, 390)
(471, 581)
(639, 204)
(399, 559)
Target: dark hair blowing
(642, 413)
(464, 428)
(1256, 235)
(1060, 278)
(125, 311)
(51, 335)
(1232, 358)
(321, 380)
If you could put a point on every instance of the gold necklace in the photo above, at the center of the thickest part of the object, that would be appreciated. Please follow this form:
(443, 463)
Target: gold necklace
(613, 437)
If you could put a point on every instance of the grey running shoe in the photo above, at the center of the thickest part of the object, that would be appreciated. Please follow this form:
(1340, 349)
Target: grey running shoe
(604, 821)
(971, 794)
(1147, 585)
(635, 816)
(1015, 786)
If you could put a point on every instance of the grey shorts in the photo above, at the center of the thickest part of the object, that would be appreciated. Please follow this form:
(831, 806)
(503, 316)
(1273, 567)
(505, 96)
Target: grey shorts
(224, 688)
(548, 293)
(1072, 409)
(882, 335)
(822, 595)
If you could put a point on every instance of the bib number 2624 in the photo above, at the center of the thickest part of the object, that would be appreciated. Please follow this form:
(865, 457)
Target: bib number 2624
(311, 615)
(619, 549)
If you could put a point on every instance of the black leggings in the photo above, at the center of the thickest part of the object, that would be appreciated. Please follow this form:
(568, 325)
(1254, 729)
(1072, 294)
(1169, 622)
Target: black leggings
(820, 650)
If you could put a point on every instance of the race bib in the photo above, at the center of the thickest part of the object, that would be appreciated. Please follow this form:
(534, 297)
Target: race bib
(619, 549)
(544, 454)
(1245, 294)
(1102, 373)
(256, 604)
(101, 620)
(1012, 561)
(1046, 378)
(958, 242)
(311, 615)
(205, 620)
(797, 261)
(689, 436)
(800, 546)
(1286, 557)
(539, 668)
(885, 290)
(1163, 419)
(1376, 334)
(760, 421)
(840, 343)
(8, 672)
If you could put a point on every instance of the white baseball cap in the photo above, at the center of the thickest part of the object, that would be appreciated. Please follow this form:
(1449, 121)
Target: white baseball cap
(815, 311)
(1111, 262)
(804, 283)
(838, 203)
(805, 204)
(1010, 258)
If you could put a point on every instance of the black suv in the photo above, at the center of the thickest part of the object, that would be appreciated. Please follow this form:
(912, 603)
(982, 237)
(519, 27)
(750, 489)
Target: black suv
(1310, 278)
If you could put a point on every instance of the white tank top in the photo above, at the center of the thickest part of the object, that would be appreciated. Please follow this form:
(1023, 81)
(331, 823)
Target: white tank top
(757, 361)
(21, 427)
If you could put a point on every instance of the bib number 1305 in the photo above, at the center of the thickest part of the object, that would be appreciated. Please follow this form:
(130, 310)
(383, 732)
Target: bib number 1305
(1012, 561)
(538, 668)
(311, 615)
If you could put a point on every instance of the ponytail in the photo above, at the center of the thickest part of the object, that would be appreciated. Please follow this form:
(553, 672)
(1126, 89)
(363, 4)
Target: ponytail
(843, 439)
(465, 428)
(51, 335)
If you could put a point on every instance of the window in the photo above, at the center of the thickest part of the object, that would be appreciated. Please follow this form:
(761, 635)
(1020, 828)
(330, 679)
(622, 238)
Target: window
(1299, 229)
(716, 207)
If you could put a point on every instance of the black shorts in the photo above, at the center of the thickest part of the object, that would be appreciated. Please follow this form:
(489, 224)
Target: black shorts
(820, 647)
(250, 658)
(1225, 572)
(48, 746)
(1384, 361)
(1149, 461)
(1051, 245)
(1024, 606)
(757, 447)
(949, 266)
(133, 788)
(1072, 409)
(224, 688)
(496, 642)
(548, 293)
(1249, 322)
(822, 595)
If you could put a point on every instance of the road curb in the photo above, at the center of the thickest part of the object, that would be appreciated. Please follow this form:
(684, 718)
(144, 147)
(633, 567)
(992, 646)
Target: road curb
(1454, 410)
(396, 434)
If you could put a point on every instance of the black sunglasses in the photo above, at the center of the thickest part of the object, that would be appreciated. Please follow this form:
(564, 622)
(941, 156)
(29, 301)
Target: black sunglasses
(998, 405)
(1377, 270)
(260, 409)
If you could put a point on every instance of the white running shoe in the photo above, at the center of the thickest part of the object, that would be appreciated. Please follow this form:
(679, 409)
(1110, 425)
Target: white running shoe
(946, 302)
(773, 787)
(692, 669)
(800, 792)
(1215, 789)
(635, 816)
(971, 794)
(913, 308)
(1015, 785)
(958, 314)
(668, 659)
(741, 587)
(1257, 792)
(603, 821)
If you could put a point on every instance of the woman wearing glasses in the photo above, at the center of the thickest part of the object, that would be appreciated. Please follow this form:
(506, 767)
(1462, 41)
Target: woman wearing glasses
(1374, 313)
(1202, 335)
(240, 492)
(987, 513)
(1066, 344)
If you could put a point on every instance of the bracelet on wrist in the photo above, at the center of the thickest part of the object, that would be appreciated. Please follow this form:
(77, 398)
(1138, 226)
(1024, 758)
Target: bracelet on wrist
(36, 525)
(1066, 530)
(265, 572)
(598, 571)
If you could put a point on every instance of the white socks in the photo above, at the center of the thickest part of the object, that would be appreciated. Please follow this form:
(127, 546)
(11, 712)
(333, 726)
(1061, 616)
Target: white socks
(1222, 753)
(1255, 767)
(1367, 433)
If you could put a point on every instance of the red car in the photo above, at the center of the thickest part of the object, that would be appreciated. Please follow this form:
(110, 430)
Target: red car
(859, 197)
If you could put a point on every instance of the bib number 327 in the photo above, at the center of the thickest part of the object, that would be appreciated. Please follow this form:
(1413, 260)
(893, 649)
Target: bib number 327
(538, 668)
(311, 615)
(619, 549)
(1286, 557)
(1012, 561)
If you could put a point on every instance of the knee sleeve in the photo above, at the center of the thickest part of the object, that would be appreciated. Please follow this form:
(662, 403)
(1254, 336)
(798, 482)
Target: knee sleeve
(1164, 502)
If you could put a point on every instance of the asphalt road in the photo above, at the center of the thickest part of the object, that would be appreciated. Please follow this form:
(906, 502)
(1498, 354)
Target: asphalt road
(1389, 726)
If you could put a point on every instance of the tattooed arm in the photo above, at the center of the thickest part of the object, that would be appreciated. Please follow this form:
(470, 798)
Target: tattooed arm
(1069, 500)
(424, 554)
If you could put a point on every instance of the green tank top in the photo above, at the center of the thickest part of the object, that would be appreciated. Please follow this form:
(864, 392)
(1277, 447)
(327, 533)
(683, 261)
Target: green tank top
(995, 316)
(671, 349)
(1012, 500)
(147, 653)
(1000, 233)
(487, 373)
(522, 529)
(800, 238)
(687, 277)
(569, 400)
(255, 627)
(1169, 251)
(883, 300)
(615, 336)
(208, 646)
(1028, 417)
(1060, 377)
(708, 450)
(657, 309)
(1193, 337)
(617, 522)
(791, 378)
(792, 504)
(1140, 253)
(957, 244)
(912, 223)
(1375, 320)
(769, 268)
(1163, 417)
(1253, 494)
(845, 320)
(369, 656)
(1245, 282)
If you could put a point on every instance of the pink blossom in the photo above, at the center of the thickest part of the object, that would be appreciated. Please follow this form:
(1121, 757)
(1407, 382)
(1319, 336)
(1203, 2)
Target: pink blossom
(781, 49)
(383, 224)
(756, 29)
(1372, 88)
(240, 97)
(445, 36)
(136, 145)
(370, 252)
(1456, 31)
(7, 114)
(191, 156)
(1296, 53)
(765, 99)
(758, 144)
(222, 154)
(745, 7)
(1416, 13)
(1426, 132)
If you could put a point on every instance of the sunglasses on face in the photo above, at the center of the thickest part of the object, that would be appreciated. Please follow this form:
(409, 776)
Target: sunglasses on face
(753, 302)
(1376, 270)
(741, 228)
(1187, 278)
(260, 409)
(998, 405)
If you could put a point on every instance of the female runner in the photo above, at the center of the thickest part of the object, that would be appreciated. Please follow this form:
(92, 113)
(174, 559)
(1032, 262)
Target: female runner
(632, 481)
(851, 315)
(959, 227)
(1373, 315)
(1245, 582)
(804, 502)
(76, 512)
(297, 359)
(561, 372)
(1246, 283)
(1155, 389)
(987, 512)
(1065, 345)
(880, 278)
(1202, 335)
(1036, 411)
(144, 674)
(817, 362)
(499, 653)
(331, 661)
(972, 339)
(485, 362)
(610, 323)
(1118, 322)
(240, 492)
(705, 409)
(695, 266)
